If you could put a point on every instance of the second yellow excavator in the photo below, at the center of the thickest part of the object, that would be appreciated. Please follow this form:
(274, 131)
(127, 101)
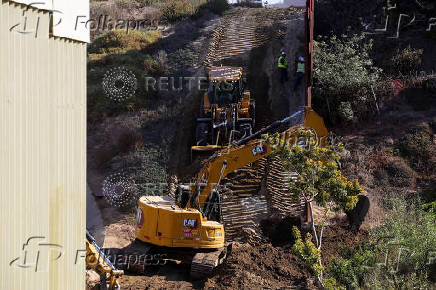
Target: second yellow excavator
(98, 261)
(226, 112)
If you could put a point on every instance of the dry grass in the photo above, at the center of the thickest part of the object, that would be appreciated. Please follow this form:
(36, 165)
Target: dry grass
(118, 41)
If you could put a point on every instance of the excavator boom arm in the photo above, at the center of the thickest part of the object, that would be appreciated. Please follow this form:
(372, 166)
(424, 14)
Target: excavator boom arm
(251, 149)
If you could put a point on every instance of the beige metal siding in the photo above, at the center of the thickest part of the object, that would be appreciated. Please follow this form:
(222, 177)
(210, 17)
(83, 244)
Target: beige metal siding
(42, 154)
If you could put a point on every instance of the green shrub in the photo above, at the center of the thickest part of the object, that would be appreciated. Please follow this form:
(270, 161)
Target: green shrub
(307, 251)
(345, 111)
(429, 196)
(217, 6)
(408, 241)
(178, 9)
(157, 66)
(350, 271)
(418, 148)
(398, 255)
(344, 76)
(332, 284)
(406, 61)
(118, 49)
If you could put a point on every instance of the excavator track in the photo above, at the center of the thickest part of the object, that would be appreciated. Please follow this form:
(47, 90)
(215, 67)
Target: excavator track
(204, 263)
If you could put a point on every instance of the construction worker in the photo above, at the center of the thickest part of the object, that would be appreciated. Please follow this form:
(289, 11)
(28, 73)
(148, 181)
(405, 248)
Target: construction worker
(283, 67)
(299, 75)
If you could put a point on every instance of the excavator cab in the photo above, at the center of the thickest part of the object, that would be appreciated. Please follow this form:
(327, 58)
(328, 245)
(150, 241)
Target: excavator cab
(225, 93)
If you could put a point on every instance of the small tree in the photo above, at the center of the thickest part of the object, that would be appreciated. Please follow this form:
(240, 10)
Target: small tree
(344, 76)
(319, 179)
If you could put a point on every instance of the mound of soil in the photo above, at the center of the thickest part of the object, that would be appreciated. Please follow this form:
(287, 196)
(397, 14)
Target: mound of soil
(259, 267)
(335, 238)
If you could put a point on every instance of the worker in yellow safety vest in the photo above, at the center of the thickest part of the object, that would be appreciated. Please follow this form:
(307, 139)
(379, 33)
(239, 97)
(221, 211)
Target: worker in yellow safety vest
(301, 69)
(283, 67)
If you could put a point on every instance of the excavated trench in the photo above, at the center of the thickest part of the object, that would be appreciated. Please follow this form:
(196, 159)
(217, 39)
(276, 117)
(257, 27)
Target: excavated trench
(253, 39)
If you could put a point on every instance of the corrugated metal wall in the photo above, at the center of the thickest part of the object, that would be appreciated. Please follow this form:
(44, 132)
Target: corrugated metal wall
(42, 154)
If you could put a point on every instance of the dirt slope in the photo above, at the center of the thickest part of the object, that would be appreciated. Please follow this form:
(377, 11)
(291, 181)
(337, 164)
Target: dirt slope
(251, 38)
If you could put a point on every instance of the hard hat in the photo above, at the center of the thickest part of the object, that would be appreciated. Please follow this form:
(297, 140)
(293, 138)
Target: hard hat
(301, 58)
(283, 52)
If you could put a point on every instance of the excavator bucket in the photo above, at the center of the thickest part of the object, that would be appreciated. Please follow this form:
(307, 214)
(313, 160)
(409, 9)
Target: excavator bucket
(316, 122)
(97, 260)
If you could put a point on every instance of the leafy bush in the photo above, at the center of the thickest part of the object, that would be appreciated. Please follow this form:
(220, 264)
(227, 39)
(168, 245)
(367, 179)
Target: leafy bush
(118, 41)
(409, 238)
(398, 255)
(320, 178)
(307, 251)
(332, 284)
(157, 66)
(345, 111)
(350, 270)
(118, 49)
(344, 76)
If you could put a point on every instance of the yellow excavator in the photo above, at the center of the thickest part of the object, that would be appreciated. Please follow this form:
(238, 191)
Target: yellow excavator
(97, 260)
(226, 112)
(189, 224)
